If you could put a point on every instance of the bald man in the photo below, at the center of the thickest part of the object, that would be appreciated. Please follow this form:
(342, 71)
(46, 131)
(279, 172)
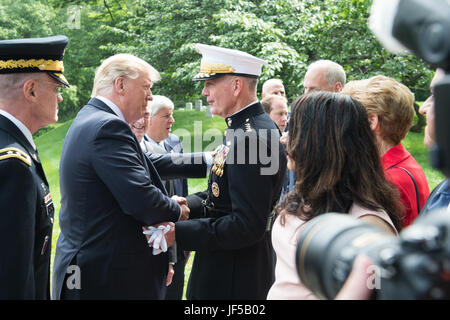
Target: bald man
(273, 87)
(324, 75)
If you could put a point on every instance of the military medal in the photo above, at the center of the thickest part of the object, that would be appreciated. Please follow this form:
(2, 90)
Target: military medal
(219, 160)
(215, 189)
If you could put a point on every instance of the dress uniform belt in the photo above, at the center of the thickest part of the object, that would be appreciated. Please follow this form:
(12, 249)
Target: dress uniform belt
(209, 211)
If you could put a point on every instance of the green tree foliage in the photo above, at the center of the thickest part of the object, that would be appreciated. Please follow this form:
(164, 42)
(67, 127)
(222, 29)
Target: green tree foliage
(90, 28)
(26, 18)
(288, 34)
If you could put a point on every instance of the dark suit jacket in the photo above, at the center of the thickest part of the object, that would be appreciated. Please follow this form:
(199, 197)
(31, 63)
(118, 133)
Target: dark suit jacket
(26, 218)
(109, 190)
(173, 146)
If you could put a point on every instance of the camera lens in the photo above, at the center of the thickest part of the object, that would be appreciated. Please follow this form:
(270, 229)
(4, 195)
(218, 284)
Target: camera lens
(328, 246)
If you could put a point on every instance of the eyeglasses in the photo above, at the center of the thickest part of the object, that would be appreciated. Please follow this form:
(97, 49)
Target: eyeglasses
(60, 89)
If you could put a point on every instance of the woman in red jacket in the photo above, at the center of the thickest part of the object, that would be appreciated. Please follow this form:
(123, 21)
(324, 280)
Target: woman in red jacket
(389, 105)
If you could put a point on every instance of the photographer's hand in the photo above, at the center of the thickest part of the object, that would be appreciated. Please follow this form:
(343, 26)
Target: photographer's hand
(356, 286)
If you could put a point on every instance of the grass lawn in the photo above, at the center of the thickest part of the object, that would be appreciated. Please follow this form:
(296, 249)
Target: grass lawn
(50, 144)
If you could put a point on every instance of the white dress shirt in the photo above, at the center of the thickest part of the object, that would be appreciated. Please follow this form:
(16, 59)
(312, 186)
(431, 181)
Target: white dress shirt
(113, 106)
(26, 132)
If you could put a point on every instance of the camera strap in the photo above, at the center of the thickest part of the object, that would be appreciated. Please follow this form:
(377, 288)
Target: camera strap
(415, 186)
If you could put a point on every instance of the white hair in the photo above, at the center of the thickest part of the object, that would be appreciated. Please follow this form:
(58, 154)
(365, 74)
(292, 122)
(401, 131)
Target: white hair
(120, 65)
(157, 103)
(269, 83)
(334, 71)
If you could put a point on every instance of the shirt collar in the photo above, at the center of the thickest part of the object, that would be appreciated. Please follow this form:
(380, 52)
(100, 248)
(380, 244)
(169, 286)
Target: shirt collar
(243, 108)
(160, 144)
(26, 132)
(113, 106)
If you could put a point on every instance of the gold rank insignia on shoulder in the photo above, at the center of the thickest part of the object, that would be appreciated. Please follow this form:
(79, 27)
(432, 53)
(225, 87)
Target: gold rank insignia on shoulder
(219, 160)
(229, 121)
(7, 153)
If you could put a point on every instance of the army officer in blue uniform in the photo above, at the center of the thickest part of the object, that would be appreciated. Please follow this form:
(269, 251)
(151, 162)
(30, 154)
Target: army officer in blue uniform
(30, 83)
(231, 229)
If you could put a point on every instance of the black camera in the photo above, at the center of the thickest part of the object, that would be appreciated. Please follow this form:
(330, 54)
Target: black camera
(415, 265)
(423, 28)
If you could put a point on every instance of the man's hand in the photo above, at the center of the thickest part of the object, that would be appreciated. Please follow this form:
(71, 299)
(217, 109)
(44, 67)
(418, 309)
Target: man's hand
(170, 236)
(170, 275)
(184, 208)
(184, 212)
(179, 200)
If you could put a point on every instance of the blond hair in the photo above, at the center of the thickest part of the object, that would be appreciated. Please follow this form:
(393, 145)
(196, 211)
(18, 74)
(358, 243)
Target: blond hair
(390, 100)
(120, 65)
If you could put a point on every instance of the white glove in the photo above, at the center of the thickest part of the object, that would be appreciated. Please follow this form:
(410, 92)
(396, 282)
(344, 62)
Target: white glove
(158, 239)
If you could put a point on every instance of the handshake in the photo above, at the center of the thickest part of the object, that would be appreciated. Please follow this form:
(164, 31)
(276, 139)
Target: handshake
(161, 236)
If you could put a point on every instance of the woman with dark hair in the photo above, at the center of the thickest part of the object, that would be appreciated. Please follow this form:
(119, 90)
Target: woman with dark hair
(332, 150)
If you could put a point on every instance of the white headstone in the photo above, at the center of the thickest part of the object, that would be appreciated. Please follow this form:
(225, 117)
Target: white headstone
(208, 113)
(198, 105)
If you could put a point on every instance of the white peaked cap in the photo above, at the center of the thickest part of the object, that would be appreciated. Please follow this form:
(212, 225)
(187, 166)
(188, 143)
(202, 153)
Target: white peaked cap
(217, 61)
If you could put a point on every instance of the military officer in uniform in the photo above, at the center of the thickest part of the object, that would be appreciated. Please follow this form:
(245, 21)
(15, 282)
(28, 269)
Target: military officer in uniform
(231, 229)
(31, 78)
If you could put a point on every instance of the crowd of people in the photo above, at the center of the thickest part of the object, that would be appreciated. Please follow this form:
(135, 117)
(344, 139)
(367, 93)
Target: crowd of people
(127, 220)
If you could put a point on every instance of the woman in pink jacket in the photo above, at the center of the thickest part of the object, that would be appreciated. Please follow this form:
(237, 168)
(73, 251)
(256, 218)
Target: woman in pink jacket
(333, 153)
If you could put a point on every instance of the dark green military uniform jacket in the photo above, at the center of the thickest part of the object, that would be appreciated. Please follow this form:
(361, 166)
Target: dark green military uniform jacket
(26, 218)
(228, 224)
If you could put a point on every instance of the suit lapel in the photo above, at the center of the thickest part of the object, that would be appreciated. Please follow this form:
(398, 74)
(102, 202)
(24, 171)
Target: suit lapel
(154, 175)
(99, 104)
(148, 165)
(168, 146)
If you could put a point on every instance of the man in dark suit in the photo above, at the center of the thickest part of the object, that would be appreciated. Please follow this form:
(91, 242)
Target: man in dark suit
(31, 82)
(153, 133)
(109, 191)
(231, 235)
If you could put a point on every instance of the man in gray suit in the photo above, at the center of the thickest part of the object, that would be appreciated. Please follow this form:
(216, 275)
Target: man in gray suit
(159, 139)
(153, 133)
